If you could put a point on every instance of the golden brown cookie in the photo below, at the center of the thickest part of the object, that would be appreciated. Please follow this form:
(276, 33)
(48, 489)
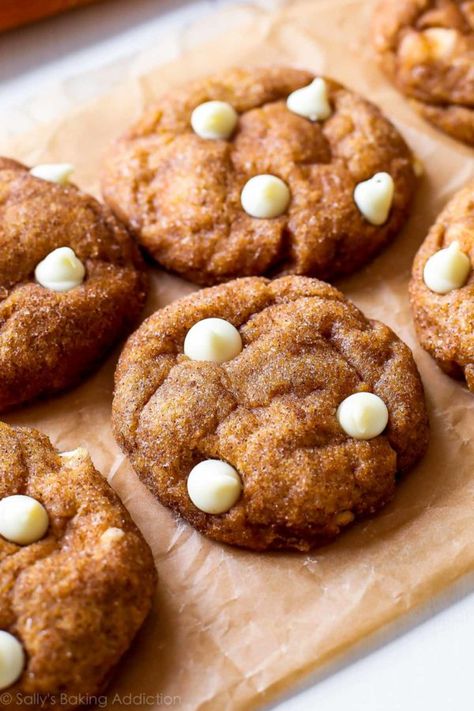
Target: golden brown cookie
(75, 598)
(427, 48)
(270, 411)
(181, 194)
(442, 288)
(49, 339)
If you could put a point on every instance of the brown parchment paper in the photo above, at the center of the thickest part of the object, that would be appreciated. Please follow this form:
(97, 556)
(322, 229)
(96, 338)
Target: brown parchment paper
(230, 628)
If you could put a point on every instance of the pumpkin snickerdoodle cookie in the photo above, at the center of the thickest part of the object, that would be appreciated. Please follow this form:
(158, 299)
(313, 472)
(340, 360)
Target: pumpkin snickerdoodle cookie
(76, 576)
(442, 288)
(427, 48)
(269, 414)
(259, 171)
(71, 282)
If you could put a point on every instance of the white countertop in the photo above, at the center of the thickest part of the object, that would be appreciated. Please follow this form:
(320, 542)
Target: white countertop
(424, 662)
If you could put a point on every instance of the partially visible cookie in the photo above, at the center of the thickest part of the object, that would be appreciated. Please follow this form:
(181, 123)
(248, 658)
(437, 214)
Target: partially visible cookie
(442, 288)
(258, 171)
(71, 282)
(76, 575)
(427, 48)
(269, 414)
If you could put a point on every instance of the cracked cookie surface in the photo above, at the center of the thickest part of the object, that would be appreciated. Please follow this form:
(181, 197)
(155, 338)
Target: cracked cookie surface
(180, 194)
(75, 598)
(270, 412)
(444, 322)
(427, 48)
(49, 340)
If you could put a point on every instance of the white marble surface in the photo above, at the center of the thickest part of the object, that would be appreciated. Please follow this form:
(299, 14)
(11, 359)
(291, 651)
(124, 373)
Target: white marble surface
(421, 663)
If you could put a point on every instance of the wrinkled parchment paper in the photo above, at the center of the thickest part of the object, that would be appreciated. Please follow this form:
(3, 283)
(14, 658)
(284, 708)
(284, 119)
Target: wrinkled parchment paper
(230, 628)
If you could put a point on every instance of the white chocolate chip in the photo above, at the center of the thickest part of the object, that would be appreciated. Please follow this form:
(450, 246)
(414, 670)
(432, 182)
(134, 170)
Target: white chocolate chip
(441, 42)
(112, 535)
(23, 520)
(214, 486)
(265, 196)
(433, 44)
(311, 101)
(53, 172)
(12, 659)
(78, 453)
(362, 415)
(374, 197)
(212, 339)
(447, 269)
(413, 49)
(60, 270)
(68, 455)
(214, 119)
